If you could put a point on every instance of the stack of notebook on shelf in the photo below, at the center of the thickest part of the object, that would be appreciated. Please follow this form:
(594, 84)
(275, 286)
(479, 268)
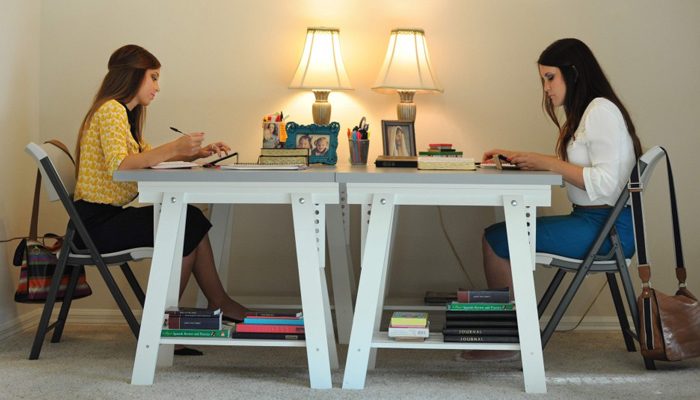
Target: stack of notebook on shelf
(284, 157)
(409, 326)
(443, 156)
(265, 325)
(193, 322)
(485, 316)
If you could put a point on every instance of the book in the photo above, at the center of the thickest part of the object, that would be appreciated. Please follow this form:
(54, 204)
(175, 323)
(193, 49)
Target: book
(456, 306)
(479, 323)
(409, 319)
(484, 296)
(446, 163)
(214, 333)
(264, 167)
(185, 322)
(485, 331)
(441, 153)
(480, 315)
(273, 336)
(278, 315)
(269, 328)
(273, 321)
(481, 339)
(396, 161)
(408, 332)
(435, 298)
(284, 152)
(283, 160)
(192, 312)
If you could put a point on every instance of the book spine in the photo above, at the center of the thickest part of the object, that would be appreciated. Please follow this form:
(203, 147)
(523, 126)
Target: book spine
(480, 331)
(273, 315)
(483, 296)
(476, 323)
(193, 323)
(410, 332)
(481, 339)
(271, 321)
(408, 322)
(194, 313)
(273, 336)
(283, 160)
(269, 328)
(284, 152)
(396, 164)
(218, 333)
(480, 306)
(441, 153)
(481, 315)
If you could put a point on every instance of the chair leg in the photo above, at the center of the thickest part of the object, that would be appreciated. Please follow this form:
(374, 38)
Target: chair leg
(133, 282)
(564, 304)
(117, 294)
(65, 307)
(620, 309)
(43, 327)
(549, 293)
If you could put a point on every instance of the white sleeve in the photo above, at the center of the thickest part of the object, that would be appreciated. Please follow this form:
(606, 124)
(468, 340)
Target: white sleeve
(606, 135)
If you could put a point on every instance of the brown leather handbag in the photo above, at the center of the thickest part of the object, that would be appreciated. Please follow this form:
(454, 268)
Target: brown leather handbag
(669, 326)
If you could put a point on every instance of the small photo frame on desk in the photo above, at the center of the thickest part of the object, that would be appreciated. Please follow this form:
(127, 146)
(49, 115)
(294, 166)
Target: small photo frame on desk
(321, 139)
(271, 134)
(399, 138)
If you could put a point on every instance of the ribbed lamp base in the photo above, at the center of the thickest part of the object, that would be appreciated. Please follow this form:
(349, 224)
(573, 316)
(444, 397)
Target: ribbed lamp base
(321, 109)
(406, 109)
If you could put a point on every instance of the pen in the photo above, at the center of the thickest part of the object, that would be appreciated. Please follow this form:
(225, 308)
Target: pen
(178, 131)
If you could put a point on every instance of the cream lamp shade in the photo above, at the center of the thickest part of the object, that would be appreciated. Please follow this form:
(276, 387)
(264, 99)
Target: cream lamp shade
(407, 69)
(321, 69)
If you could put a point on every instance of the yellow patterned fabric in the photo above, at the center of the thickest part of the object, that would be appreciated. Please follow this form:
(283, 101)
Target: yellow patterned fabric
(103, 147)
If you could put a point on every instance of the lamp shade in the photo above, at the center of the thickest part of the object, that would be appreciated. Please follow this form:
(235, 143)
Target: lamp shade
(321, 64)
(407, 64)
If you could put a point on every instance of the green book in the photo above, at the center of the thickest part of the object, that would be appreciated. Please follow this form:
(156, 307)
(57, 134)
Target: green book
(215, 333)
(455, 306)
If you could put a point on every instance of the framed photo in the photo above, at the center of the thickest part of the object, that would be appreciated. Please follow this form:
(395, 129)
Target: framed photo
(271, 135)
(399, 138)
(321, 139)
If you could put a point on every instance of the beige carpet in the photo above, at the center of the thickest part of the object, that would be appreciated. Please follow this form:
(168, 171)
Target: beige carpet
(94, 362)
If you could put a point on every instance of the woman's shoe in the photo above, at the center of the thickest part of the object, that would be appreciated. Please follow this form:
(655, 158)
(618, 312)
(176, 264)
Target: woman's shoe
(187, 351)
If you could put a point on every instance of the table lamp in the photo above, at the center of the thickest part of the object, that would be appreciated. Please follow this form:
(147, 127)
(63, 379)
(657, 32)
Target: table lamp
(321, 69)
(407, 70)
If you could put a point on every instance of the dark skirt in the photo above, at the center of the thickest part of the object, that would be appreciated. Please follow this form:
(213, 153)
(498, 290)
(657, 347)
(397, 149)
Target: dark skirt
(115, 228)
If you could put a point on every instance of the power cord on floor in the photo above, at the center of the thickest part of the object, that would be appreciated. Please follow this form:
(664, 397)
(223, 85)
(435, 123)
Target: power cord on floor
(605, 283)
(454, 250)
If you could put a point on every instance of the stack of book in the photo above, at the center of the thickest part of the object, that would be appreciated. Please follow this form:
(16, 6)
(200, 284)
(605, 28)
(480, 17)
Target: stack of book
(193, 322)
(262, 325)
(439, 298)
(284, 156)
(485, 316)
(411, 326)
(443, 156)
(396, 161)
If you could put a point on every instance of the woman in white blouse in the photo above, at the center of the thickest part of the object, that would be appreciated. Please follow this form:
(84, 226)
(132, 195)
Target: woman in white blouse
(596, 150)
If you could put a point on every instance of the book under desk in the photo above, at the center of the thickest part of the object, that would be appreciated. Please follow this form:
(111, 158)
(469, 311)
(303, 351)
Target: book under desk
(381, 340)
(194, 341)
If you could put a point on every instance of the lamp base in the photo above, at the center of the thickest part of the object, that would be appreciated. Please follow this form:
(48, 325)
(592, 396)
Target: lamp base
(321, 109)
(406, 109)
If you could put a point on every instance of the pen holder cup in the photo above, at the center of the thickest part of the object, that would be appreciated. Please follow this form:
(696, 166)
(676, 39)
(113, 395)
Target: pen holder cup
(358, 151)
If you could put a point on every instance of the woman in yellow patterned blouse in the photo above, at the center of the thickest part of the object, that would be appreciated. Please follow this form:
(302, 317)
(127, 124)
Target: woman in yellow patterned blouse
(111, 139)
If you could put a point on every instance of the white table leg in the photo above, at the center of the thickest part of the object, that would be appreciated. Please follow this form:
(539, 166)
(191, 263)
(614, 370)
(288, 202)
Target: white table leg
(221, 218)
(341, 271)
(525, 296)
(374, 268)
(165, 267)
(311, 276)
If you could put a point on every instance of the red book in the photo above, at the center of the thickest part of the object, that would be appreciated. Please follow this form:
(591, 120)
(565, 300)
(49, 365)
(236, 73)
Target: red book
(273, 315)
(250, 328)
(440, 145)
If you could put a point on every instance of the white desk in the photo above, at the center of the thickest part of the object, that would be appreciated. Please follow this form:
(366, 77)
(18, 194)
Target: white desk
(307, 191)
(380, 191)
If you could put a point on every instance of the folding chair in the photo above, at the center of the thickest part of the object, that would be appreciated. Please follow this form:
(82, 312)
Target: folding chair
(58, 171)
(612, 263)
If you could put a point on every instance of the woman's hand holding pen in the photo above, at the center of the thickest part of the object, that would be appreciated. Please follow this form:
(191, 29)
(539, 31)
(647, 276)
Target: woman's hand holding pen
(189, 145)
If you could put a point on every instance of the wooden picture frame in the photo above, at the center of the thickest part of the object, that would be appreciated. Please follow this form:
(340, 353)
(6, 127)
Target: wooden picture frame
(322, 139)
(399, 138)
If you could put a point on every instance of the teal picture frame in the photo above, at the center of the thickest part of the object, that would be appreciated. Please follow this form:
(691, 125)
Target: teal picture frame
(314, 137)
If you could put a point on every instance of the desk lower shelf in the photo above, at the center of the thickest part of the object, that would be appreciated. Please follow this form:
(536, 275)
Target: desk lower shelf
(193, 341)
(381, 340)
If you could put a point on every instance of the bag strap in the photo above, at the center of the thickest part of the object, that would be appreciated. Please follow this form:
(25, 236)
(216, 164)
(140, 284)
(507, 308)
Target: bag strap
(636, 189)
(33, 224)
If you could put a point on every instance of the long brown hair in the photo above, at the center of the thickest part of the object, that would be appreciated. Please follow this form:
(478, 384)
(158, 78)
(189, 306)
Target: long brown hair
(126, 70)
(585, 80)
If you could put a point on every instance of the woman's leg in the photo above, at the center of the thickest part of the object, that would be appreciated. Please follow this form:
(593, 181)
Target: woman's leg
(200, 263)
(496, 269)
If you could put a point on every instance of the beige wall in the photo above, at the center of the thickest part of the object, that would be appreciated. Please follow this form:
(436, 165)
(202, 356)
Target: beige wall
(19, 119)
(228, 63)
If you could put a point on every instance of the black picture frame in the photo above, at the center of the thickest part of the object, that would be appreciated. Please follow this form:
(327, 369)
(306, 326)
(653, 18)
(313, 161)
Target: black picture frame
(316, 135)
(393, 146)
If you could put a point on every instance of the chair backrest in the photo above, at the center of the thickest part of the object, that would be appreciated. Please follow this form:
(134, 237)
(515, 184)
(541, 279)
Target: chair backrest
(648, 161)
(57, 169)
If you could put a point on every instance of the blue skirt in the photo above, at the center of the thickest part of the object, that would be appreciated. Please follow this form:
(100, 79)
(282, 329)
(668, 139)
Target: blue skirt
(569, 235)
